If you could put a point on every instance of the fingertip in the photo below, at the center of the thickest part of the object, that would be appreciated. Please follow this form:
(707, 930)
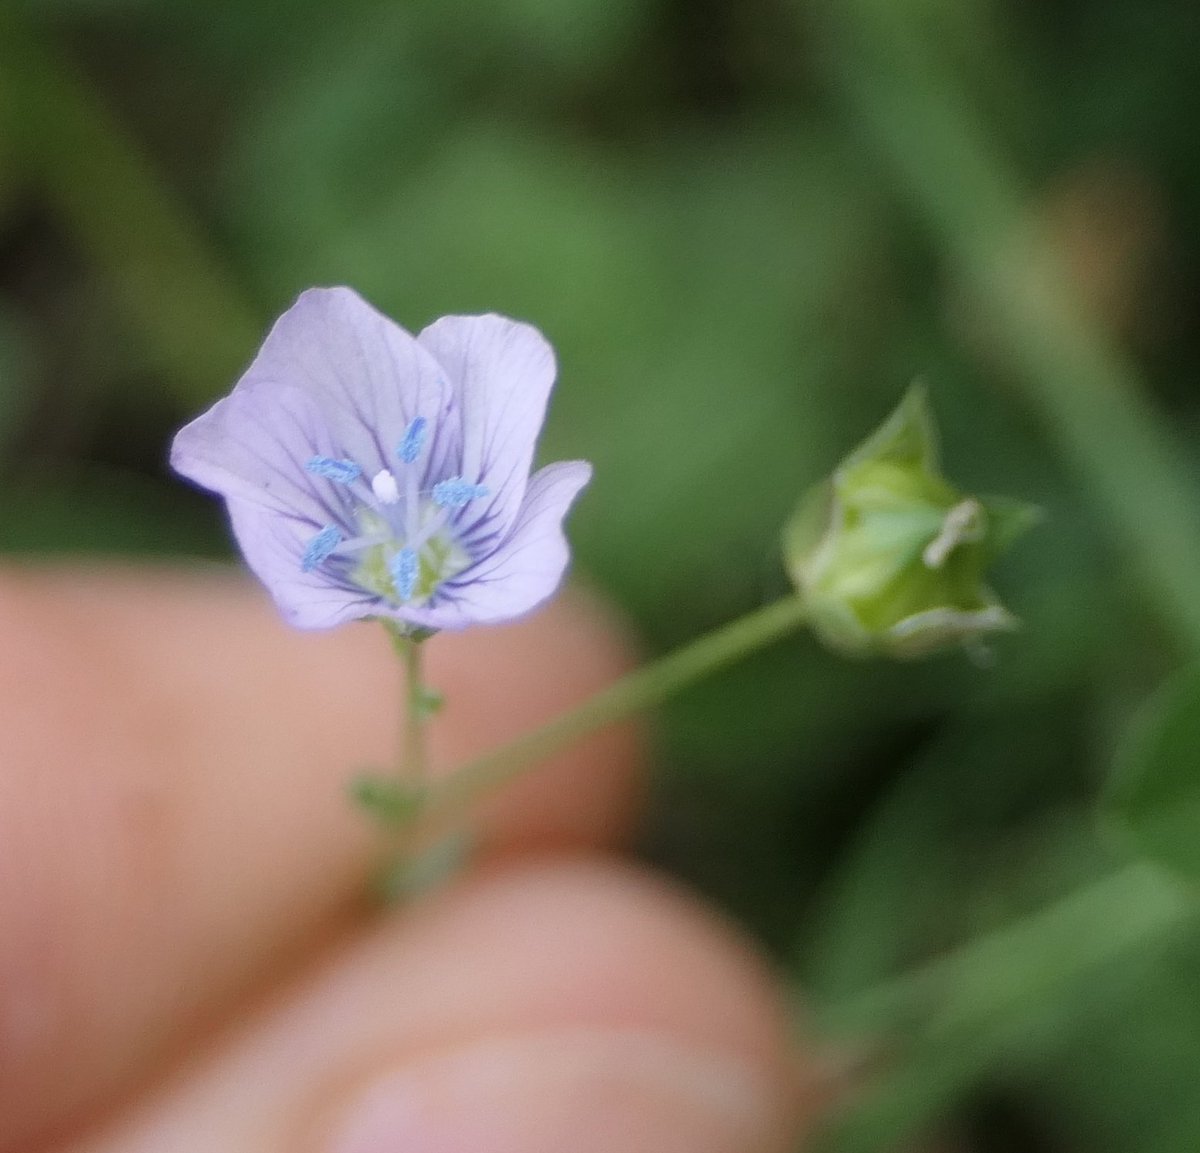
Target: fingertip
(590, 1091)
(172, 813)
(545, 1004)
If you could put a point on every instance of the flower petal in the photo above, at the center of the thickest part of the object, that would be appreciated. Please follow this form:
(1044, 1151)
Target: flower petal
(525, 569)
(502, 371)
(273, 546)
(367, 375)
(254, 445)
(338, 394)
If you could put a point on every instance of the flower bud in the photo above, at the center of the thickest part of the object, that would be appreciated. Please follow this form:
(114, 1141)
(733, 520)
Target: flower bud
(889, 557)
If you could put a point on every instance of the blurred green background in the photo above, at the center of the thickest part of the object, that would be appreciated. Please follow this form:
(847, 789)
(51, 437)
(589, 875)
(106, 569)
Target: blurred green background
(746, 225)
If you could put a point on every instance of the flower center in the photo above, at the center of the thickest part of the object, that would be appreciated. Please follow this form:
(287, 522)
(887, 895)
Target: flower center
(404, 546)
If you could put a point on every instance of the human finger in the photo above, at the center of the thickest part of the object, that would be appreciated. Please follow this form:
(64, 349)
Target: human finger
(172, 822)
(546, 1005)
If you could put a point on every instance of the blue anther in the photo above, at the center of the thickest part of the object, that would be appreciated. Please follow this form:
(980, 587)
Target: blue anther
(456, 492)
(414, 440)
(404, 572)
(321, 547)
(343, 471)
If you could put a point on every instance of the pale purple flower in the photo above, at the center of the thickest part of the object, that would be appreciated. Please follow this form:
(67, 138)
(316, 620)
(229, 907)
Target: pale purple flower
(369, 473)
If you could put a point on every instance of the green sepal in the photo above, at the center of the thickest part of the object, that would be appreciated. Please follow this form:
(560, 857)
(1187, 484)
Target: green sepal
(908, 437)
(1008, 520)
(889, 557)
(402, 634)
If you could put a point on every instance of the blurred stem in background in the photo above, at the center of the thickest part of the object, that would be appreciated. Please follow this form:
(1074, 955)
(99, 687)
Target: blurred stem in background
(1085, 390)
(961, 1013)
(173, 288)
(958, 1013)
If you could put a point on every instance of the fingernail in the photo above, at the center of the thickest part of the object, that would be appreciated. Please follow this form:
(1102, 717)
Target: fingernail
(590, 1092)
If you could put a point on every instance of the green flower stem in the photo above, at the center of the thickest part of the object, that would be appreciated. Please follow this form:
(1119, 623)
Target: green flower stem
(1089, 395)
(639, 690)
(413, 770)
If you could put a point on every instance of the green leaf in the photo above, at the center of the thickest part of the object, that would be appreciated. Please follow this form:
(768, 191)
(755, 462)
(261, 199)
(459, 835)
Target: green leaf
(429, 702)
(392, 803)
(16, 360)
(1154, 797)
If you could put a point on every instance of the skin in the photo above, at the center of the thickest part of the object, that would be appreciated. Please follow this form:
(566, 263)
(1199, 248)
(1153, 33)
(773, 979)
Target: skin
(186, 960)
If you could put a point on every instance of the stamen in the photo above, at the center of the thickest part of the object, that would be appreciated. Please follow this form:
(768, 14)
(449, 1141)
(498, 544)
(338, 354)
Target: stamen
(321, 547)
(404, 572)
(456, 492)
(361, 543)
(383, 485)
(414, 440)
(343, 471)
(432, 525)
